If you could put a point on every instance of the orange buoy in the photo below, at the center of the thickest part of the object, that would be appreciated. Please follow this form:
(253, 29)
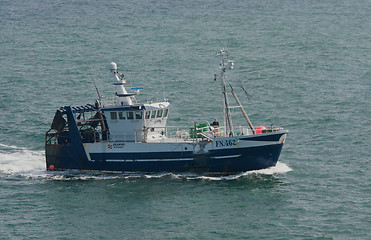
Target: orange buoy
(51, 167)
(259, 129)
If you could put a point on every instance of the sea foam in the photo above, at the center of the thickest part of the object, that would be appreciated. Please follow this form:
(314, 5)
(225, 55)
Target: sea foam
(16, 160)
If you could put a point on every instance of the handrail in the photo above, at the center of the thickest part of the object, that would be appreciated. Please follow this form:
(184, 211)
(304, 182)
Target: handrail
(49, 136)
(175, 133)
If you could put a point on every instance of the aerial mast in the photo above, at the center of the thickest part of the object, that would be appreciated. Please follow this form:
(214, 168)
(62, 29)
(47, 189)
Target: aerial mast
(224, 65)
(123, 95)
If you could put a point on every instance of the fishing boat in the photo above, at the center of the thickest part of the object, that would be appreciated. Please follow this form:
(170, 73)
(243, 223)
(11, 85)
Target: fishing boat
(124, 136)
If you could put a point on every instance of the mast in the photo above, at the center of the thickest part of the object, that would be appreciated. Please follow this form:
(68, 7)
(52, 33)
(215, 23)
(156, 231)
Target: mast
(124, 96)
(224, 65)
(228, 131)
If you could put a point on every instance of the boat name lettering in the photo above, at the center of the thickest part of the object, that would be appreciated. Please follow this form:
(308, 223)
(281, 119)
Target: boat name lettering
(116, 145)
(226, 143)
(119, 145)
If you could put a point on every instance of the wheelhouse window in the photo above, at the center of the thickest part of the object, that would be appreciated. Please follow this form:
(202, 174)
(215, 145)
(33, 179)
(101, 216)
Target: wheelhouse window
(113, 115)
(138, 115)
(148, 114)
(166, 111)
(121, 115)
(130, 115)
(159, 113)
(153, 114)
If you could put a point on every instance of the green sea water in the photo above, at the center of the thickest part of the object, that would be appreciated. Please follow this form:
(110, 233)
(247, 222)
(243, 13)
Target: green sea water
(307, 65)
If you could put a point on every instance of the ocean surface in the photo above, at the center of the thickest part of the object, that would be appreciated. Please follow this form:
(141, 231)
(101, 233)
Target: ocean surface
(307, 65)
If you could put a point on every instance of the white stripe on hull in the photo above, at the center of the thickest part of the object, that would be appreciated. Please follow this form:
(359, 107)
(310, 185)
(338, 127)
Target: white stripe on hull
(230, 156)
(149, 160)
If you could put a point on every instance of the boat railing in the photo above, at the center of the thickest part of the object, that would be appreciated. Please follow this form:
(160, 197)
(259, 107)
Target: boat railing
(87, 136)
(51, 137)
(162, 134)
(109, 101)
(242, 131)
(202, 133)
(175, 133)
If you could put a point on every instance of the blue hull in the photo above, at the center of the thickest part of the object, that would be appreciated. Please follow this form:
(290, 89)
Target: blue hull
(220, 159)
(216, 161)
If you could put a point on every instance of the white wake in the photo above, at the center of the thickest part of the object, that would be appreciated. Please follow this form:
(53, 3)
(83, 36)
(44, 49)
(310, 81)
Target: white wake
(280, 168)
(17, 160)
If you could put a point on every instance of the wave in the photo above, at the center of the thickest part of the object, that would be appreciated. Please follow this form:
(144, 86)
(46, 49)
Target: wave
(18, 161)
(280, 168)
(15, 159)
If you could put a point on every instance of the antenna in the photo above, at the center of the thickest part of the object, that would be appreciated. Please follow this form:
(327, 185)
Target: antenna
(224, 66)
(163, 91)
(99, 96)
(249, 96)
